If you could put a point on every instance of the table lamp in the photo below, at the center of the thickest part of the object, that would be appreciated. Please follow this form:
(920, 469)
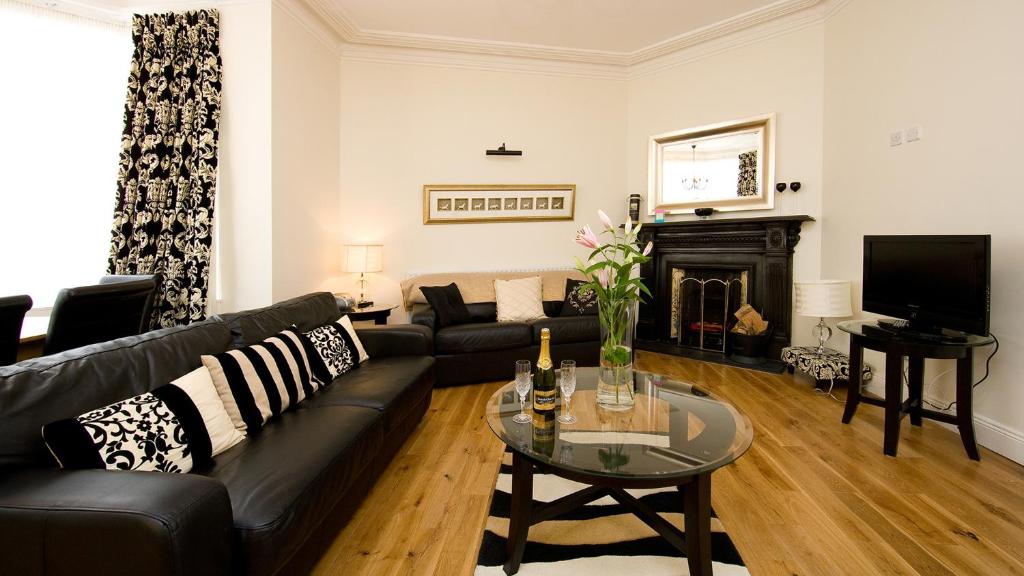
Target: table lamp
(363, 258)
(824, 299)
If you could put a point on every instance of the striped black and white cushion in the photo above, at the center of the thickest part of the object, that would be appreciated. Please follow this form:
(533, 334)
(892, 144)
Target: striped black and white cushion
(263, 380)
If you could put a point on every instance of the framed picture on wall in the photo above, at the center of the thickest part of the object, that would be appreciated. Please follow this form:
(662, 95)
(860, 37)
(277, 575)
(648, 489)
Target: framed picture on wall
(479, 203)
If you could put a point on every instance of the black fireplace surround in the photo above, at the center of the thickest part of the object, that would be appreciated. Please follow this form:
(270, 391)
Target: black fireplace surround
(762, 247)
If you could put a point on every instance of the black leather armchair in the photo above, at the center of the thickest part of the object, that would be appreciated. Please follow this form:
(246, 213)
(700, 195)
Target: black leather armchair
(91, 314)
(147, 311)
(12, 314)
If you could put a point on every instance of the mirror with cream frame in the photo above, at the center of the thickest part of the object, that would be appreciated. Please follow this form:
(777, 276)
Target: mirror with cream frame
(728, 166)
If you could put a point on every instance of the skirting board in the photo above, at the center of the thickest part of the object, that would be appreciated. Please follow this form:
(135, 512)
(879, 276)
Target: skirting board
(988, 433)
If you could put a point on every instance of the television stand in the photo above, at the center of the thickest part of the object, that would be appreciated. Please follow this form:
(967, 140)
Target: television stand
(896, 346)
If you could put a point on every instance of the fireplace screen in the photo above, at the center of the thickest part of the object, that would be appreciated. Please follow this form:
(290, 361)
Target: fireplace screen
(703, 303)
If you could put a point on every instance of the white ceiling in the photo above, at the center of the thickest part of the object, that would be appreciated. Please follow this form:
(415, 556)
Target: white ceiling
(607, 32)
(605, 25)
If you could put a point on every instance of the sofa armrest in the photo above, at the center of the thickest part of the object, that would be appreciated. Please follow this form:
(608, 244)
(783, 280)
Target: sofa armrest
(424, 315)
(397, 340)
(113, 522)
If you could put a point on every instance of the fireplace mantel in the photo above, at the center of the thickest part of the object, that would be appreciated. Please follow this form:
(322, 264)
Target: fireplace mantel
(761, 246)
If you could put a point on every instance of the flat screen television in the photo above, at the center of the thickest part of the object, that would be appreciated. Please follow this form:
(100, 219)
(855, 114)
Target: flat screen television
(934, 282)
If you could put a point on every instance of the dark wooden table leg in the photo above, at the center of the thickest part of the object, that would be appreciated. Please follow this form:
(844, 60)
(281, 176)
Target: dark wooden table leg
(893, 402)
(697, 524)
(519, 515)
(382, 318)
(965, 404)
(915, 384)
(853, 389)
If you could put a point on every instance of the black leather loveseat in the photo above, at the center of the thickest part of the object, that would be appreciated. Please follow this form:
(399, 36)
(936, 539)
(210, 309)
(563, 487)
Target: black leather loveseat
(486, 350)
(265, 506)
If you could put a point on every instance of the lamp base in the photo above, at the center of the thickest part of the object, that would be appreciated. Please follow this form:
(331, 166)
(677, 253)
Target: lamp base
(823, 333)
(364, 304)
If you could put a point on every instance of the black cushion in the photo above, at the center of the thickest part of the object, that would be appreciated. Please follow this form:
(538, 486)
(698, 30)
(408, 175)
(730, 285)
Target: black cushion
(482, 337)
(392, 385)
(283, 480)
(568, 329)
(578, 303)
(447, 304)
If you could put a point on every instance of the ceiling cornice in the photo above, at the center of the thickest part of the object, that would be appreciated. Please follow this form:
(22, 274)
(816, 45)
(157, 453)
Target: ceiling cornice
(349, 32)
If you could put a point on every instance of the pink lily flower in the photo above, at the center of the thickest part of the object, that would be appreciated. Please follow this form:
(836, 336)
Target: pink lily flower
(585, 237)
(648, 248)
(603, 277)
(604, 218)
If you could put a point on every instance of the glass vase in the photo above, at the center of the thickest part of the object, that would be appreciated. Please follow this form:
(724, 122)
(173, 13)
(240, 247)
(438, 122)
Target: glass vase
(615, 389)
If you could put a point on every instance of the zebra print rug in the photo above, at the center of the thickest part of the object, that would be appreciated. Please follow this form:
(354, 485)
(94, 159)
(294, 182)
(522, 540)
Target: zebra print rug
(597, 539)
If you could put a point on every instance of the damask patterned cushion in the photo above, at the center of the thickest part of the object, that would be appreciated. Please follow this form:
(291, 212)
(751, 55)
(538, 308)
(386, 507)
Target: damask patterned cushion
(346, 323)
(263, 380)
(578, 302)
(332, 350)
(170, 429)
(519, 300)
(830, 365)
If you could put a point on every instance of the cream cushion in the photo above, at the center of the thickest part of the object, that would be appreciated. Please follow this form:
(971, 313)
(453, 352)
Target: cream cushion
(519, 300)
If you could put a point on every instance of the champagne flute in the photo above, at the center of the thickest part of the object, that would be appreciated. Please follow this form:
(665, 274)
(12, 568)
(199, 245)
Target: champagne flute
(523, 382)
(568, 386)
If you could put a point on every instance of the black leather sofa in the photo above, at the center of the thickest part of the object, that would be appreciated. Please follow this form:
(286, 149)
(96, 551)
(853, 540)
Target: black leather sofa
(485, 350)
(266, 506)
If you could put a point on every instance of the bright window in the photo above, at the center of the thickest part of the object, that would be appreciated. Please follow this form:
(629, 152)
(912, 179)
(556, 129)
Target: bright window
(62, 90)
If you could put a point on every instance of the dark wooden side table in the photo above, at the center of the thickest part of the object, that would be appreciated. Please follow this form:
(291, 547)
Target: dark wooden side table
(896, 347)
(378, 313)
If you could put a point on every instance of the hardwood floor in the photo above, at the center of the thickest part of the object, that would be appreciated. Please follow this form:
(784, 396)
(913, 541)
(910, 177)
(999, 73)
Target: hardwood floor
(811, 497)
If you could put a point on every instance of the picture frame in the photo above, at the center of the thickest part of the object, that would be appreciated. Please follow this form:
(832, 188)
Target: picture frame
(483, 203)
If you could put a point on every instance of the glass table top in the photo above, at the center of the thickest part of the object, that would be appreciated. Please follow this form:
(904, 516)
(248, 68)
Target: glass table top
(675, 429)
(857, 328)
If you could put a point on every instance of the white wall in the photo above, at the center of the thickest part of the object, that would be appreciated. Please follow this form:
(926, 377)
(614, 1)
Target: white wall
(305, 177)
(953, 68)
(782, 74)
(406, 125)
(243, 205)
(277, 205)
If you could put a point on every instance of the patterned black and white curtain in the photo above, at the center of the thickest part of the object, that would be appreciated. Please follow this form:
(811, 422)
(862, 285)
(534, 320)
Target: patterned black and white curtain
(746, 184)
(168, 169)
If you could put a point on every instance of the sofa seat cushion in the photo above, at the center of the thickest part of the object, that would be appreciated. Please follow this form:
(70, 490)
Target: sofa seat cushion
(568, 329)
(392, 385)
(283, 480)
(482, 337)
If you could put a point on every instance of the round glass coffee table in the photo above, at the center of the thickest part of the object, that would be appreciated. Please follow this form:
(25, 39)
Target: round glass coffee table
(675, 435)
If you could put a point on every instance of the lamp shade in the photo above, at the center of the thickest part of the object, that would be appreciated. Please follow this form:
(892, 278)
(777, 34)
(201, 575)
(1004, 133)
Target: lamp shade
(364, 258)
(823, 299)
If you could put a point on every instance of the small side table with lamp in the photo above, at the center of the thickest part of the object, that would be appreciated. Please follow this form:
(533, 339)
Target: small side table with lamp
(822, 299)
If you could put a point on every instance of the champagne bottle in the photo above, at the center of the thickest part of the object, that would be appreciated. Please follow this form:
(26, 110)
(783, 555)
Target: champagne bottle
(545, 390)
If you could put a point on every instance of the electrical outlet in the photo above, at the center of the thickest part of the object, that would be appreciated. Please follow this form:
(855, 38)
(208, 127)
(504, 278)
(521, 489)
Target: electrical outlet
(912, 134)
(896, 138)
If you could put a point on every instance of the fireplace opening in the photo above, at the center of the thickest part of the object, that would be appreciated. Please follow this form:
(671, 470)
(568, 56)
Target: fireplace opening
(703, 303)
